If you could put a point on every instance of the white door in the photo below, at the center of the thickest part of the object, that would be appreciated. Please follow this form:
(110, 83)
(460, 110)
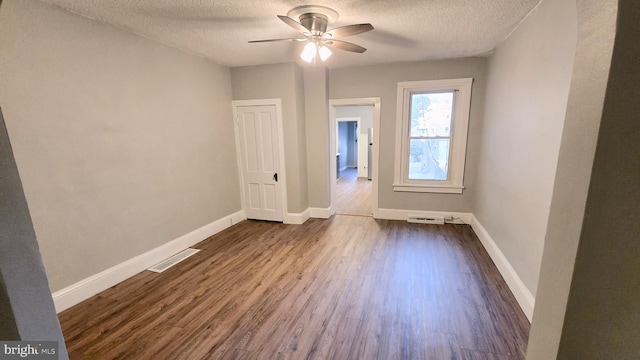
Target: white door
(260, 159)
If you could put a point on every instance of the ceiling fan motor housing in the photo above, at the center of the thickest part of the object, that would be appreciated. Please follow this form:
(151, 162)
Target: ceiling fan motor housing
(314, 17)
(315, 22)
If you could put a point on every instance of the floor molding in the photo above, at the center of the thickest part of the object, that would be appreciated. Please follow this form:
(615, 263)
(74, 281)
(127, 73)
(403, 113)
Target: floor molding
(297, 218)
(84, 289)
(525, 299)
(320, 213)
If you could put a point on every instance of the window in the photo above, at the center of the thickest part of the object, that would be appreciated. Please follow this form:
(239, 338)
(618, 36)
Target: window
(431, 135)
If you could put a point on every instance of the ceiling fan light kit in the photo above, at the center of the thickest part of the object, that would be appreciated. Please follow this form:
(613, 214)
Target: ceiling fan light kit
(309, 52)
(324, 53)
(312, 23)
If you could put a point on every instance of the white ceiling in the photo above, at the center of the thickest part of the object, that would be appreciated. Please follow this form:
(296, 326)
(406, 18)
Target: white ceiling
(405, 30)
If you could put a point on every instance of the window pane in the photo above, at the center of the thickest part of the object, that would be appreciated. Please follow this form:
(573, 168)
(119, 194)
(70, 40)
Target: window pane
(431, 114)
(428, 159)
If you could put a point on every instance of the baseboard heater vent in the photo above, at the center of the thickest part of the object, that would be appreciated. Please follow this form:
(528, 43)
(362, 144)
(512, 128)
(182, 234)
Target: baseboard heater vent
(425, 219)
(167, 263)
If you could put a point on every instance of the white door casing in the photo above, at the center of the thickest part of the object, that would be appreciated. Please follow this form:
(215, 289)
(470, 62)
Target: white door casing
(259, 159)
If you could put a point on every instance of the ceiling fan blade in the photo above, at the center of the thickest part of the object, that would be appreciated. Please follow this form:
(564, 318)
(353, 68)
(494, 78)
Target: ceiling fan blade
(343, 45)
(294, 24)
(274, 40)
(348, 30)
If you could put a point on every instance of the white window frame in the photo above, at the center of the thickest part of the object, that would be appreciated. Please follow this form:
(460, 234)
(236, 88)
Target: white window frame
(459, 127)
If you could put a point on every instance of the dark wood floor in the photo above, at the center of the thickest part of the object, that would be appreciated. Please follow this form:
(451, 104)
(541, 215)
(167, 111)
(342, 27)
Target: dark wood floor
(353, 194)
(345, 288)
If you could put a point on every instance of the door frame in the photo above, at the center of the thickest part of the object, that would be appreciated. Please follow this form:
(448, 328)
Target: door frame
(282, 177)
(372, 101)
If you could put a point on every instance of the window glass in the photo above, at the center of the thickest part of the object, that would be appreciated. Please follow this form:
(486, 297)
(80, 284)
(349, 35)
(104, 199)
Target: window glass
(428, 159)
(431, 114)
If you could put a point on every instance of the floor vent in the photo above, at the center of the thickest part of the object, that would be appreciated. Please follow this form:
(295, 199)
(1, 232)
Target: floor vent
(425, 219)
(165, 264)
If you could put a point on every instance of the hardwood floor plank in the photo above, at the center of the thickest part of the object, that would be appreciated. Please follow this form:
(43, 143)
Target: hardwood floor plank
(353, 194)
(344, 288)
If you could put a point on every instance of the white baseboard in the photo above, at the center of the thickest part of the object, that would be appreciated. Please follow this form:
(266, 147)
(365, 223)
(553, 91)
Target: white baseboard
(519, 290)
(396, 214)
(84, 289)
(320, 213)
(296, 218)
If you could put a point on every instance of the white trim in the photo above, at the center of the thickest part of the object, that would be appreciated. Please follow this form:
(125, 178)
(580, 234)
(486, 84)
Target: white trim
(320, 213)
(459, 127)
(449, 189)
(372, 101)
(296, 218)
(395, 214)
(301, 218)
(519, 290)
(84, 289)
(282, 173)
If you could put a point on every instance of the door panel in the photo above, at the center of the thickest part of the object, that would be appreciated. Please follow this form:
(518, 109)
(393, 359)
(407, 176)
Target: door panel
(259, 151)
(270, 197)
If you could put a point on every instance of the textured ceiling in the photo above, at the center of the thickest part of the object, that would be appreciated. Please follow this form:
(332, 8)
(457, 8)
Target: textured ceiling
(405, 30)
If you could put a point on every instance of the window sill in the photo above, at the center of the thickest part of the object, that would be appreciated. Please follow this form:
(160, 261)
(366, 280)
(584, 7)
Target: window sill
(446, 189)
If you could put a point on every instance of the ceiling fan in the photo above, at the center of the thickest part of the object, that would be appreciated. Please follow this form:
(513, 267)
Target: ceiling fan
(313, 21)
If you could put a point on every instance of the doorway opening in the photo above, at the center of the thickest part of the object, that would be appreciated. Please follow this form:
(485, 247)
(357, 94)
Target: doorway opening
(354, 150)
(353, 180)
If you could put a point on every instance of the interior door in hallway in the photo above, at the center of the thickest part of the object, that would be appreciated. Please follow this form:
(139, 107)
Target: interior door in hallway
(259, 152)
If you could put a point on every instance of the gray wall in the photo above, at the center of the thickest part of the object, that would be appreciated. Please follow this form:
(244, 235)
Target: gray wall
(603, 311)
(596, 29)
(284, 81)
(27, 311)
(302, 186)
(122, 143)
(527, 89)
(381, 81)
(316, 94)
(365, 113)
(347, 146)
